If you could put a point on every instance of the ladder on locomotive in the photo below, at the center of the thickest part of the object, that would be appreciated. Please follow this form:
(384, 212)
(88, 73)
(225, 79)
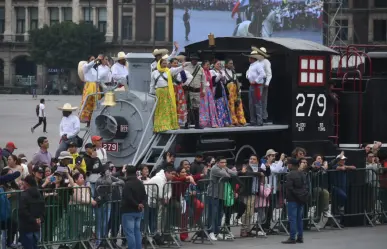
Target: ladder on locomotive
(159, 144)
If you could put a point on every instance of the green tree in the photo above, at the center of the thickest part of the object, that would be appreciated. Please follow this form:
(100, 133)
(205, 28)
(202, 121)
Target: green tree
(64, 44)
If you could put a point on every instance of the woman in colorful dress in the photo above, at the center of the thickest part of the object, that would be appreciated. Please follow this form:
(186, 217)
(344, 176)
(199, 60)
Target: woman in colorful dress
(179, 80)
(161, 85)
(220, 96)
(207, 112)
(234, 97)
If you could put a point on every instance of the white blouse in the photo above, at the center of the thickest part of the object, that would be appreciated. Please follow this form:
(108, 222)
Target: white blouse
(104, 74)
(218, 74)
(161, 82)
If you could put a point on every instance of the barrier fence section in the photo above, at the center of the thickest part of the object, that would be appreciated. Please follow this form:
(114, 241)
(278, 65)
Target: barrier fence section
(252, 205)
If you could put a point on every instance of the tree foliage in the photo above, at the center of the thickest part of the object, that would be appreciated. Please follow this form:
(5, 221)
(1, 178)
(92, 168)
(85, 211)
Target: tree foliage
(64, 44)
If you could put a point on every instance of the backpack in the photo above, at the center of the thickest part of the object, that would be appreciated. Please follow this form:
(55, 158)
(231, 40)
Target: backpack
(5, 206)
(37, 110)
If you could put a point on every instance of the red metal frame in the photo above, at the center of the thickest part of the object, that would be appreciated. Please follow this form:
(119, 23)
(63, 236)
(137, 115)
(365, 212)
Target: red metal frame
(315, 70)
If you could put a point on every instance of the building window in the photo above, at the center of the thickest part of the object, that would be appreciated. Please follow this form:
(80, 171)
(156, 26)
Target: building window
(34, 18)
(87, 15)
(54, 15)
(2, 20)
(380, 3)
(67, 14)
(20, 20)
(160, 28)
(311, 71)
(102, 19)
(161, 1)
(342, 29)
(127, 27)
(380, 30)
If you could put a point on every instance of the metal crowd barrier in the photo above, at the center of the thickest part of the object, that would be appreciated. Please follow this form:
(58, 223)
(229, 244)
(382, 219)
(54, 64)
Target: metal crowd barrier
(253, 206)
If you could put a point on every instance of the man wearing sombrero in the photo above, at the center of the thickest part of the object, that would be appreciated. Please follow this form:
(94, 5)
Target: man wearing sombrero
(267, 67)
(120, 71)
(159, 53)
(68, 129)
(256, 74)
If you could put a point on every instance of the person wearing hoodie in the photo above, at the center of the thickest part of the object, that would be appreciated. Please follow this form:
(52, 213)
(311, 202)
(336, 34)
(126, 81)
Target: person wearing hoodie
(132, 205)
(31, 213)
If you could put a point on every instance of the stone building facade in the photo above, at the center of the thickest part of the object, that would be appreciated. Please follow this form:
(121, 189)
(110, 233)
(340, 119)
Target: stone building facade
(129, 25)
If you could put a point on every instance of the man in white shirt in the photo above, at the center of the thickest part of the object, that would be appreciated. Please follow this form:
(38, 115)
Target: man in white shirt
(267, 67)
(255, 74)
(101, 152)
(68, 129)
(41, 117)
(120, 71)
(159, 53)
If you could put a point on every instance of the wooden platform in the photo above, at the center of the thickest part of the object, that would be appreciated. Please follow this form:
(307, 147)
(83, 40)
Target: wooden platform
(230, 129)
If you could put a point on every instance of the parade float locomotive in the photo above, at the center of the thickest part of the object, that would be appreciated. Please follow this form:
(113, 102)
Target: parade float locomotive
(298, 105)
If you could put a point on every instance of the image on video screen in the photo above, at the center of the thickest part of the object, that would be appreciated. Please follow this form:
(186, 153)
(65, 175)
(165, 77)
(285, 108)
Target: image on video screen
(195, 19)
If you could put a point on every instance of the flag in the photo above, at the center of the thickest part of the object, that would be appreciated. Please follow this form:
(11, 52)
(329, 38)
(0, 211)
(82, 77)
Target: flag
(239, 5)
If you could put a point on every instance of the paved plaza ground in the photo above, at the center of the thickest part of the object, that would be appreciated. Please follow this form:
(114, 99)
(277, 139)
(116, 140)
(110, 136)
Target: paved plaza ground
(17, 115)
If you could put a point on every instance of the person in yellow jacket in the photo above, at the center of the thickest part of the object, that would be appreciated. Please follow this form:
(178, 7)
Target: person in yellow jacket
(78, 162)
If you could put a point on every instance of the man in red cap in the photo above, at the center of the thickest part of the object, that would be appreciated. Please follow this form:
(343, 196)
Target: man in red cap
(10, 147)
(101, 152)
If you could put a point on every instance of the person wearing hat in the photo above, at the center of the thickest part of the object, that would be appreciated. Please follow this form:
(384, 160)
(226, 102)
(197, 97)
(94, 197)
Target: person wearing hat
(31, 212)
(8, 150)
(193, 90)
(93, 165)
(101, 152)
(38, 173)
(24, 162)
(179, 81)
(78, 163)
(262, 58)
(255, 75)
(297, 195)
(88, 74)
(165, 117)
(159, 53)
(120, 69)
(68, 129)
(234, 98)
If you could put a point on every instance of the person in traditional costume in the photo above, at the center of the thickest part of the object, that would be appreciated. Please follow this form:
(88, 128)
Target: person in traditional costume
(207, 113)
(120, 73)
(179, 80)
(234, 95)
(256, 75)
(220, 95)
(159, 53)
(89, 71)
(104, 75)
(165, 117)
(193, 90)
(267, 67)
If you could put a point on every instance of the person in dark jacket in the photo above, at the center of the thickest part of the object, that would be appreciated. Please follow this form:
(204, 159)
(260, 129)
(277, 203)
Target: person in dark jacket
(197, 165)
(296, 196)
(31, 213)
(132, 207)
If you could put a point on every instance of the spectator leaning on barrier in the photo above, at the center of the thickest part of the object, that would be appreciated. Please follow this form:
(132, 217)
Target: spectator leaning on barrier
(132, 206)
(320, 186)
(216, 195)
(339, 190)
(197, 165)
(31, 214)
(297, 195)
(168, 159)
(251, 174)
(38, 173)
(276, 168)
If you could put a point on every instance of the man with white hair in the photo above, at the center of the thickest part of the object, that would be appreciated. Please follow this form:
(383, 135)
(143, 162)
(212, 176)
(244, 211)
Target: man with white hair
(267, 67)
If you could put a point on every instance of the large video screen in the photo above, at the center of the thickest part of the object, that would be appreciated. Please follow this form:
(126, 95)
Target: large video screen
(195, 19)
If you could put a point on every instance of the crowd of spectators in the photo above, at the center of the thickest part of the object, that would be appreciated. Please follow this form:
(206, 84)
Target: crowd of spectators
(205, 197)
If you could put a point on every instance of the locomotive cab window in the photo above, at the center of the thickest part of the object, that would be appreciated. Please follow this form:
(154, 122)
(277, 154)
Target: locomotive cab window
(311, 71)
